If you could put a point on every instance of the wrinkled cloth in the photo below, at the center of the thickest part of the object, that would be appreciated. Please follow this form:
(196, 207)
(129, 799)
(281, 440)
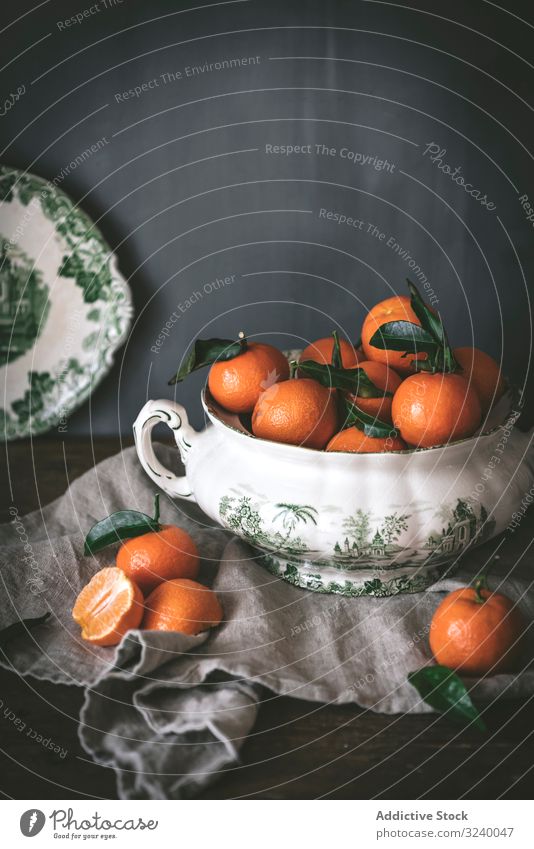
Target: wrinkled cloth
(169, 712)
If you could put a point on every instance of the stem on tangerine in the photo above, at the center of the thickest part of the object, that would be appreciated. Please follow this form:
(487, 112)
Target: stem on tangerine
(156, 508)
(480, 583)
(293, 366)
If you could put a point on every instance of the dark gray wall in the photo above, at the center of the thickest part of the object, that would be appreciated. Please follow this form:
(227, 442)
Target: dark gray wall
(186, 193)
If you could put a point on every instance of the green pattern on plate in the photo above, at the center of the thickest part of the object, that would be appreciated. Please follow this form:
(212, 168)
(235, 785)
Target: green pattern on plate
(23, 302)
(48, 395)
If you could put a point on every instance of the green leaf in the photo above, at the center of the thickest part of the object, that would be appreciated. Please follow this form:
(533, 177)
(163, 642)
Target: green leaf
(205, 352)
(442, 689)
(429, 321)
(433, 324)
(353, 380)
(404, 336)
(122, 525)
(337, 362)
(370, 425)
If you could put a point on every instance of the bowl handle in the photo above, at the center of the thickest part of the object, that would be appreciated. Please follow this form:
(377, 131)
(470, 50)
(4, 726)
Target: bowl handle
(175, 417)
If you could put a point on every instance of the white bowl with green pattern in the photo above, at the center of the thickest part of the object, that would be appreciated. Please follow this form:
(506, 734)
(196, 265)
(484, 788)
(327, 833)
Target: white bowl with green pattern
(64, 306)
(354, 524)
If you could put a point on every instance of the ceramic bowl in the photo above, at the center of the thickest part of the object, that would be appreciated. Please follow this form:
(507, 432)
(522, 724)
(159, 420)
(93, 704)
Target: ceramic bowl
(354, 524)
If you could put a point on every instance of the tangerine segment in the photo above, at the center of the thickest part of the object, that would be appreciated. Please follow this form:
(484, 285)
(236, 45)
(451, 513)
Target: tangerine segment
(297, 412)
(107, 607)
(355, 441)
(159, 556)
(383, 378)
(483, 374)
(182, 605)
(433, 409)
(477, 638)
(238, 383)
(397, 308)
(321, 352)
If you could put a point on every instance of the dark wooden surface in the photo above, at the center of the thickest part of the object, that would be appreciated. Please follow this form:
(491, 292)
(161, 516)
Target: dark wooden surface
(296, 750)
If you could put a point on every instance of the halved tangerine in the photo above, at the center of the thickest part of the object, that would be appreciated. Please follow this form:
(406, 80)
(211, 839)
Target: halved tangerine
(108, 606)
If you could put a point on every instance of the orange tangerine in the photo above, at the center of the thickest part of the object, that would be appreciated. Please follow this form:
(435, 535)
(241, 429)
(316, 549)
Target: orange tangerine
(354, 440)
(159, 556)
(321, 352)
(107, 607)
(237, 384)
(384, 378)
(182, 605)
(298, 412)
(397, 308)
(433, 409)
(484, 375)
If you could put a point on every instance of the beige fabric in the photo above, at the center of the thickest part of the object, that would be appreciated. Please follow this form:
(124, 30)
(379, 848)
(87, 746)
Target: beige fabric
(168, 712)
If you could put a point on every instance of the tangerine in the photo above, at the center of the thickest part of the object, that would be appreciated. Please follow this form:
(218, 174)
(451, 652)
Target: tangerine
(158, 556)
(354, 440)
(297, 412)
(483, 373)
(182, 605)
(476, 632)
(321, 352)
(383, 378)
(107, 607)
(432, 409)
(237, 384)
(397, 308)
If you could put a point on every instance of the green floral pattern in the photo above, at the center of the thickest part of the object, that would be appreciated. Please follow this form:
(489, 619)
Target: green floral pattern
(369, 546)
(242, 517)
(309, 579)
(52, 394)
(23, 302)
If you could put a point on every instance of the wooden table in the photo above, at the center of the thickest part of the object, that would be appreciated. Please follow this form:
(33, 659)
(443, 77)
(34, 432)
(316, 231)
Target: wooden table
(297, 749)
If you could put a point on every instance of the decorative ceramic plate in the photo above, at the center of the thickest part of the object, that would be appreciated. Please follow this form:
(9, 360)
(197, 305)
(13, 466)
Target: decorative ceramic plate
(64, 306)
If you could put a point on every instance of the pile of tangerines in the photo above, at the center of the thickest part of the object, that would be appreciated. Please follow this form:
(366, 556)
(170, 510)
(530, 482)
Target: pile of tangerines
(401, 387)
(152, 586)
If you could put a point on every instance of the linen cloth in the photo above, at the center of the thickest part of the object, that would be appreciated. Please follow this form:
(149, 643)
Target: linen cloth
(170, 712)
